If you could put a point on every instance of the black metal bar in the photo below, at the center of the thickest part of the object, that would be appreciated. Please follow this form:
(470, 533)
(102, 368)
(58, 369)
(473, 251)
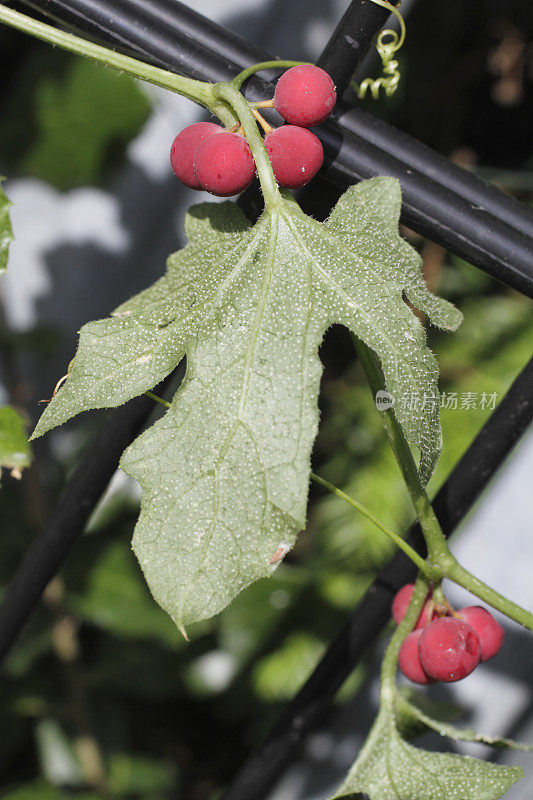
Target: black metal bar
(142, 30)
(84, 489)
(463, 486)
(453, 209)
(351, 40)
(435, 211)
(423, 159)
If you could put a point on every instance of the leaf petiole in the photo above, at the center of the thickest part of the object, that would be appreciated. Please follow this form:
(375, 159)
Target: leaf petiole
(388, 689)
(398, 541)
(160, 400)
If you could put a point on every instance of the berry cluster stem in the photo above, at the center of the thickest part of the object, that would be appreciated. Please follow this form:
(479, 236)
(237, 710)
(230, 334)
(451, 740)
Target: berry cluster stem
(390, 659)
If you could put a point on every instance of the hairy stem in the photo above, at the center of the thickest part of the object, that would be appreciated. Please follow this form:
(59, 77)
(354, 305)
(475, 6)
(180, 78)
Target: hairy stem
(198, 91)
(230, 95)
(398, 541)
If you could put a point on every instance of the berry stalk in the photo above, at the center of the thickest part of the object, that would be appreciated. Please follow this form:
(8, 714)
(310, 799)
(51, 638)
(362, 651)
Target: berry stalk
(243, 76)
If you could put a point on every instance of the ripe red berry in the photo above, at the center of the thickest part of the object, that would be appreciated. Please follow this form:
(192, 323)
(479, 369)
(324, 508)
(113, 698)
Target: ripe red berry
(305, 95)
(184, 147)
(449, 649)
(296, 155)
(409, 659)
(223, 164)
(401, 602)
(489, 631)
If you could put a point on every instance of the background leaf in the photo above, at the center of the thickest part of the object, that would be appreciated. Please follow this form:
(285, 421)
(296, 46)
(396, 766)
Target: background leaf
(15, 452)
(6, 233)
(81, 115)
(43, 791)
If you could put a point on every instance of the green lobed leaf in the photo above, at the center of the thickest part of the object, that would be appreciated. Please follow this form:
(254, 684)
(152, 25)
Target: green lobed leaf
(6, 232)
(15, 452)
(411, 713)
(388, 768)
(225, 472)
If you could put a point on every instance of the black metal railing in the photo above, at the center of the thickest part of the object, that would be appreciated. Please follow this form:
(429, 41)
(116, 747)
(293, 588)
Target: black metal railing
(443, 202)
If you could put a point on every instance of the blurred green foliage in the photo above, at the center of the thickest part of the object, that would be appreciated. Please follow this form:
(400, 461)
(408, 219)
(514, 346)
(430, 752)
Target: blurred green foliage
(71, 125)
(15, 453)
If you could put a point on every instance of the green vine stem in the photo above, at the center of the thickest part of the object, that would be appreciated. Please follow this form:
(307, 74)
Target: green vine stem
(233, 98)
(390, 659)
(243, 76)
(398, 541)
(440, 559)
(198, 91)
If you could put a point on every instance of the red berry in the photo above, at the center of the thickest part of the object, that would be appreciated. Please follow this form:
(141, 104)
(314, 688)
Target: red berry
(401, 602)
(489, 631)
(296, 155)
(184, 147)
(409, 659)
(449, 649)
(223, 164)
(305, 96)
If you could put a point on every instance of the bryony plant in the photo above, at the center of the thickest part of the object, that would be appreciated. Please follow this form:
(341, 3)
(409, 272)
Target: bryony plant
(225, 471)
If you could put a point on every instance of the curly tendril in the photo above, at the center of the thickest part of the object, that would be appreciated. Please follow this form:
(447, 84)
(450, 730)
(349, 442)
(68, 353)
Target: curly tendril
(387, 50)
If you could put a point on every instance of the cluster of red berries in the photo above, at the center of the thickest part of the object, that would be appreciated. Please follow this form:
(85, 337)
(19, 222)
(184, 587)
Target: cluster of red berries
(205, 156)
(445, 645)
